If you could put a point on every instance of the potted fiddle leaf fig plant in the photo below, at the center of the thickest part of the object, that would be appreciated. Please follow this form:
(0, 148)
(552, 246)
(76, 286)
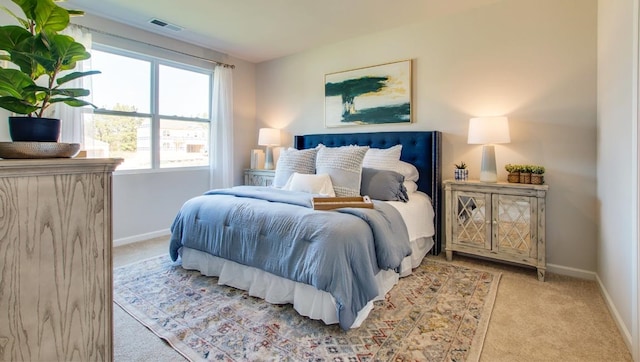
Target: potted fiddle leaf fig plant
(42, 62)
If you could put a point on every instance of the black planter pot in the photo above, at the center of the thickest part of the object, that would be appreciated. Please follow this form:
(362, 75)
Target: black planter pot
(34, 129)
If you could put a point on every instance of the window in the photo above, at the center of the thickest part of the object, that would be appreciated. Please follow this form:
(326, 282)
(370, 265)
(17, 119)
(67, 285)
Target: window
(152, 113)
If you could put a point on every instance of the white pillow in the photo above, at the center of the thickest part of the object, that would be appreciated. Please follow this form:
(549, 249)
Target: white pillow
(313, 184)
(409, 171)
(389, 159)
(344, 165)
(411, 186)
(292, 160)
(382, 158)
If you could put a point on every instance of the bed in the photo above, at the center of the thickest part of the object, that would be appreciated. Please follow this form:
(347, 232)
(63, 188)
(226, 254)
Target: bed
(332, 265)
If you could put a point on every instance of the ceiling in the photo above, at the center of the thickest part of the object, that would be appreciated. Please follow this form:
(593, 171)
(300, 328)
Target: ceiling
(261, 30)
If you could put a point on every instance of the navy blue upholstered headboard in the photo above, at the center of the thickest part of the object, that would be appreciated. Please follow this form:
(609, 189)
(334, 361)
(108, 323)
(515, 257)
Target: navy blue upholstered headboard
(422, 149)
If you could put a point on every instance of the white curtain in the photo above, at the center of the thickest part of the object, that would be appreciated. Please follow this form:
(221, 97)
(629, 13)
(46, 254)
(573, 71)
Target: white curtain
(221, 139)
(71, 118)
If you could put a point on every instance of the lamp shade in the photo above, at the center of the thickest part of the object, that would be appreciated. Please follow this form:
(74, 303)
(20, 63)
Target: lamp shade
(488, 130)
(269, 137)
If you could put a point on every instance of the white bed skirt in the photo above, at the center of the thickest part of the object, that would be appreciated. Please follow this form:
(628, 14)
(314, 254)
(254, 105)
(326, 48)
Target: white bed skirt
(306, 300)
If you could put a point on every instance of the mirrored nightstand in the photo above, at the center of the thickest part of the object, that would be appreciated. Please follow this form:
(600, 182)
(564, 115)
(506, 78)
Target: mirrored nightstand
(254, 177)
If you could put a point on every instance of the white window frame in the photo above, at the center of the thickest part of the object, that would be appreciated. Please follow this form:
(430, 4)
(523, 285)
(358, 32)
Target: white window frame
(155, 116)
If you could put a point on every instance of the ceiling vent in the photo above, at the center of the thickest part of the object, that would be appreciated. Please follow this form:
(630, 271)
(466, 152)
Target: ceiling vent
(165, 25)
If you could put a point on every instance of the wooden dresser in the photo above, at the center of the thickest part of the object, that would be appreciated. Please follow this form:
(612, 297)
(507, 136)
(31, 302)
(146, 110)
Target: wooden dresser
(55, 259)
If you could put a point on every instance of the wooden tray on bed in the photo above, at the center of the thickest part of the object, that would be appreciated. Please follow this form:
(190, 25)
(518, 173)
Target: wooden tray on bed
(330, 203)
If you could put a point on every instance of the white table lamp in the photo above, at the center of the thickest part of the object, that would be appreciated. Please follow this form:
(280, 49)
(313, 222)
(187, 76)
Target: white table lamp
(488, 131)
(269, 137)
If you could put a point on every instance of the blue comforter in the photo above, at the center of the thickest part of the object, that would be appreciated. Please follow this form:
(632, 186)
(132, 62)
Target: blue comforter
(339, 251)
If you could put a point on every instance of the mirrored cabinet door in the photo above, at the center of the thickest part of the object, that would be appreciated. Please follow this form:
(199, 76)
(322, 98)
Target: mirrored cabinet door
(472, 219)
(513, 228)
(254, 177)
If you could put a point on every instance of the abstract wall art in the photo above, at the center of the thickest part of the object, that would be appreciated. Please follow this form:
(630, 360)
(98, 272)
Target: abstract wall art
(372, 95)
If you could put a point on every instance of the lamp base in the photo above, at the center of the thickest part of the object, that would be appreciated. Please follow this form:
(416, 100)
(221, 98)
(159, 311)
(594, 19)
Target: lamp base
(268, 159)
(488, 172)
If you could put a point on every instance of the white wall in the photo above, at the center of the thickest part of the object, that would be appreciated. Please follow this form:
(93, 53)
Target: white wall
(534, 61)
(618, 163)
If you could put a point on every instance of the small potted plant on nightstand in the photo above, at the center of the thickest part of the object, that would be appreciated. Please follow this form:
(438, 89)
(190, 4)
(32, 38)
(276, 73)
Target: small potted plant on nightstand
(514, 173)
(461, 173)
(537, 175)
(525, 174)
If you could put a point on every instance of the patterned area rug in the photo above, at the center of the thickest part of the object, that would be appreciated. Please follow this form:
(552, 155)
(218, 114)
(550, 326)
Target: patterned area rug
(439, 313)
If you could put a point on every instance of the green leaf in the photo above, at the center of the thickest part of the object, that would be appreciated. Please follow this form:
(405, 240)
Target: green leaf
(12, 35)
(73, 102)
(75, 12)
(23, 56)
(16, 105)
(50, 17)
(68, 51)
(13, 83)
(75, 75)
(34, 57)
(70, 92)
(28, 7)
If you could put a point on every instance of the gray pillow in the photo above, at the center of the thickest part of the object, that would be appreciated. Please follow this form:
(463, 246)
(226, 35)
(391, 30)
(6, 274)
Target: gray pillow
(383, 185)
(292, 160)
(344, 166)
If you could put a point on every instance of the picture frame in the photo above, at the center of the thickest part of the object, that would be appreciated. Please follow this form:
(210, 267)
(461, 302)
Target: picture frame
(379, 94)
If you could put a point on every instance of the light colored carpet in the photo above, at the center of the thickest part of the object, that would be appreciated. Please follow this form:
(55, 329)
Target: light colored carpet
(562, 319)
(439, 313)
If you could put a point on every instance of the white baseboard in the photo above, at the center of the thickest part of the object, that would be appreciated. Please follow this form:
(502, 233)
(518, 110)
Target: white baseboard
(141, 237)
(572, 272)
(626, 335)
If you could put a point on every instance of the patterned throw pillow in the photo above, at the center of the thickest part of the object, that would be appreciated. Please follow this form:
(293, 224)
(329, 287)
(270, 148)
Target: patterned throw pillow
(382, 158)
(292, 160)
(344, 165)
